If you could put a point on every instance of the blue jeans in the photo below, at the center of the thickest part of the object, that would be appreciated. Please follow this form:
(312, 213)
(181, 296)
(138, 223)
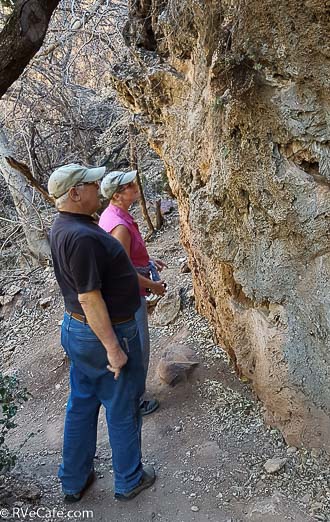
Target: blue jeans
(92, 385)
(141, 318)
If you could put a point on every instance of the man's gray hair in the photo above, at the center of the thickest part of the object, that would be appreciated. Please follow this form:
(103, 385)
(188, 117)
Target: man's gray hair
(61, 200)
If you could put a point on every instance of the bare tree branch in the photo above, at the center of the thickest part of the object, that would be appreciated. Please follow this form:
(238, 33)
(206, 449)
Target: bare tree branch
(75, 26)
(24, 169)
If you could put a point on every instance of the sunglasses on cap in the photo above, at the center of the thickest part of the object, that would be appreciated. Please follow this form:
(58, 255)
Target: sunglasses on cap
(97, 183)
(131, 184)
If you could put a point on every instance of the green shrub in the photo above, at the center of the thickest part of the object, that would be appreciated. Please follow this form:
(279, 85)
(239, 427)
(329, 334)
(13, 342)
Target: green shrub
(11, 397)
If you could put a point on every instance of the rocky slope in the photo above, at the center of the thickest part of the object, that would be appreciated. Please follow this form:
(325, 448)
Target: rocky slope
(215, 458)
(234, 96)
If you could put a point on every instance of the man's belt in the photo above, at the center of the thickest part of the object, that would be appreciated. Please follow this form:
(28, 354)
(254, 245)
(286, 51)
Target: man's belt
(83, 319)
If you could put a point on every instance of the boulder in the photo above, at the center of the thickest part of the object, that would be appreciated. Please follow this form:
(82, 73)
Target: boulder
(167, 309)
(176, 364)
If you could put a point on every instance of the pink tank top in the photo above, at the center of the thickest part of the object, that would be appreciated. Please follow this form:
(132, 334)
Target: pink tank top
(113, 216)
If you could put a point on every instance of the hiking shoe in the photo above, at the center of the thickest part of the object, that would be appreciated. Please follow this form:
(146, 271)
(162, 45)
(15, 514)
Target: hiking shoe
(147, 480)
(78, 496)
(148, 406)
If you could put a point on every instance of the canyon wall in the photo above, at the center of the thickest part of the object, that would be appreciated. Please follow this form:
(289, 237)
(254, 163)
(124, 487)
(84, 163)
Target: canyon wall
(234, 96)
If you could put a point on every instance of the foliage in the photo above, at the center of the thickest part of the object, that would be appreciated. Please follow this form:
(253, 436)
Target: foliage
(7, 3)
(62, 109)
(59, 108)
(11, 397)
(57, 111)
(6, 8)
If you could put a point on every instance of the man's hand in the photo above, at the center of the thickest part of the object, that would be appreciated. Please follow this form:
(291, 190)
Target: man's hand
(117, 360)
(98, 319)
(159, 264)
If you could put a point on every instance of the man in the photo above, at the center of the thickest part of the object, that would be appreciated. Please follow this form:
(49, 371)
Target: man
(99, 335)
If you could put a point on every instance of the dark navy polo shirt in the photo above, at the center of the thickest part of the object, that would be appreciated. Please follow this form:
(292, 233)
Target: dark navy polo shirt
(86, 258)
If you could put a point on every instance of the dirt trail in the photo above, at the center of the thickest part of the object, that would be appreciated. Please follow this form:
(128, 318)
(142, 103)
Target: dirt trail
(207, 442)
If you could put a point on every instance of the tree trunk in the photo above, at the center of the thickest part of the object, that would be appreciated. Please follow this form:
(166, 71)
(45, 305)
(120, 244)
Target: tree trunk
(134, 166)
(22, 37)
(22, 194)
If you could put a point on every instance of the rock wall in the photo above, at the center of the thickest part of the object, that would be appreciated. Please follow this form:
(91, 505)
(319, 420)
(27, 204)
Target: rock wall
(234, 96)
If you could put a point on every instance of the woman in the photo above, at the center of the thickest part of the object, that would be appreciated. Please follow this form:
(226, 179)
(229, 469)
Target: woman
(122, 190)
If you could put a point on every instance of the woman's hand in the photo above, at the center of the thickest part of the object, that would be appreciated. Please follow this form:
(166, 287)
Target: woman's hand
(159, 264)
(157, 287)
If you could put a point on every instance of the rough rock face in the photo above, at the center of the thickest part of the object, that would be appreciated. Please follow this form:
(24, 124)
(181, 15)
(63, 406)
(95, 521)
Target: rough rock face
(235, 98)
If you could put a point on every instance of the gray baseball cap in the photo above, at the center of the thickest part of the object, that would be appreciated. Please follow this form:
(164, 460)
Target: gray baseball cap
(67, 176)
(114, 179)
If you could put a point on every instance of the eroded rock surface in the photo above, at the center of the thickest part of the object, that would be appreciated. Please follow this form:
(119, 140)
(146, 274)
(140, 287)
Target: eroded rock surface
(234, 96)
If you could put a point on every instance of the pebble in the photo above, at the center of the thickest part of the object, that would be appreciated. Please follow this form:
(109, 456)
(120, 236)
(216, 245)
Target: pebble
(291, 450)
(317, 505)
(315, 453)
(274, 465)
(194, 508)
(177, 428)
(44, 303)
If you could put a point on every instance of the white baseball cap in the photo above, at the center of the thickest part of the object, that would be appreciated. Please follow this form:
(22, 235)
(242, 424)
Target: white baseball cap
(114, 179)
(67, 176)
